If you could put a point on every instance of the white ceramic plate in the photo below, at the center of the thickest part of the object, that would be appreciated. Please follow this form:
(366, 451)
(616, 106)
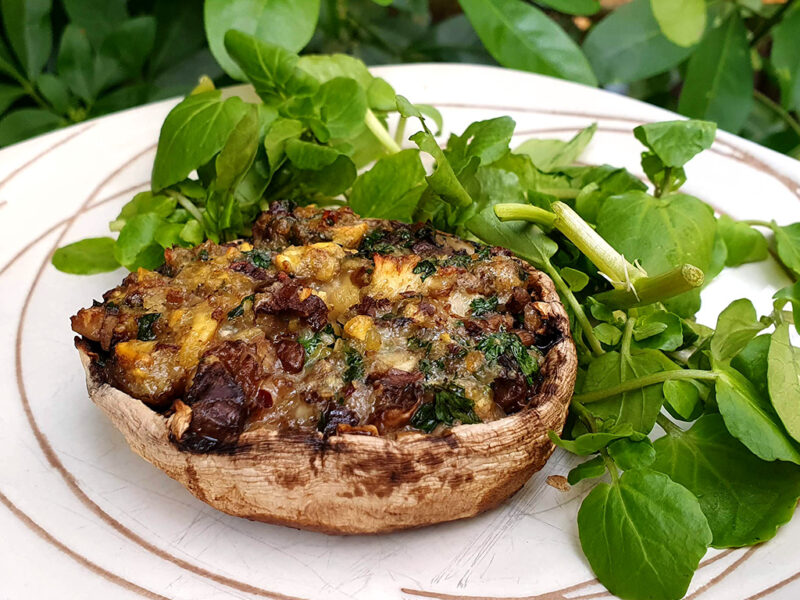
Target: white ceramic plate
(83, 517)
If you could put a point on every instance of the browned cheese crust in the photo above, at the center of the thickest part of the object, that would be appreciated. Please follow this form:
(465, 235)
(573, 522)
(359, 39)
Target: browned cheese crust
(336, 374)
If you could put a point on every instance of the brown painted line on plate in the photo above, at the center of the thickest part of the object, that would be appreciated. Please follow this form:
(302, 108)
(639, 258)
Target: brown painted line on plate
(3, 203)
(562, 593)
(727, 571)
(43, 153)
(62, 222)
(51, 455)
(94, 568)
(774, 588)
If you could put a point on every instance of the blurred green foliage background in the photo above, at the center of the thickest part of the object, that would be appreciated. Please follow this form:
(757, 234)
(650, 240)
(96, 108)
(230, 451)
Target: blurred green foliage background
(736, 62)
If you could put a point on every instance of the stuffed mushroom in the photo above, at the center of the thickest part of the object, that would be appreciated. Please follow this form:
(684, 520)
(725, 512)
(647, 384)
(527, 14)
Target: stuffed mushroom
(334, 373)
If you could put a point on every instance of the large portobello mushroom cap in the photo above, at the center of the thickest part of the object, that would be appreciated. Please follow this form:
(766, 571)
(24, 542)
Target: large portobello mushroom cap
(348, 483)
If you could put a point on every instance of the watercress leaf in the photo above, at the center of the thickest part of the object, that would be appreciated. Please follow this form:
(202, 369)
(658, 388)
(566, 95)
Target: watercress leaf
(683, 398)
(662, 233)
(271, 69)
(239, 151)
(751, 419)
(169, 234)
(573, 7)
(285, 23)
(192, 232)
(193, 132)
(783, 375)
(785, 57)
(646, 524)
(787, 242)
(589, 443)
(628, 45)
(789, 294)
(144, 202)
(752, 362)
(54, 90)
(587, 470)
(547, 155)
(719, 79)
(324, 67)
(136, 246)
(736, 326)
(391, 188)
(682, 21)
(276, 137)
(576, 280)
(744, 244)
(408, 110)
(659, 330)
(520, 36)
(310, 156)
(86, 257)
(639, 407)
(607, 334)
(24, 123)
(381, 95)
(331, 180)
(676, 142)
(75, 65)
(432, 113)
(632, 454)
(343, 106)
(745, 499)
(442, 180)
(30, 34)
(487, 140)
(524, 239)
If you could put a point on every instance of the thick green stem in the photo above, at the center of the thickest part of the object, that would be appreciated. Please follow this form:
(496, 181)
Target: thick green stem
(567, 221)
(187, 204)
(576, 307)
(641, 382)
(668, 425)
(379, 131)
(655, 289)
(610, 465)
(757, 223)
(596, 249)
(400, 132)
(525, 212)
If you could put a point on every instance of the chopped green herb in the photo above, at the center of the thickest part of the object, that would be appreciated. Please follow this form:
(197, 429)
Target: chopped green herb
(239, 310)
(484, 252)
(458, 260)
(481, 306)
(355, 365)
(415, 343)
(203, 255)
(496, 344)
(145, 322)
(374, 243)
(425, 268)
(259, 258)
(448, 407)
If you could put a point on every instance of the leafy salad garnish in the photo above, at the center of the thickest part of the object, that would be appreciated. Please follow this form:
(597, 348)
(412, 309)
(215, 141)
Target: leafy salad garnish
(629, 264)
